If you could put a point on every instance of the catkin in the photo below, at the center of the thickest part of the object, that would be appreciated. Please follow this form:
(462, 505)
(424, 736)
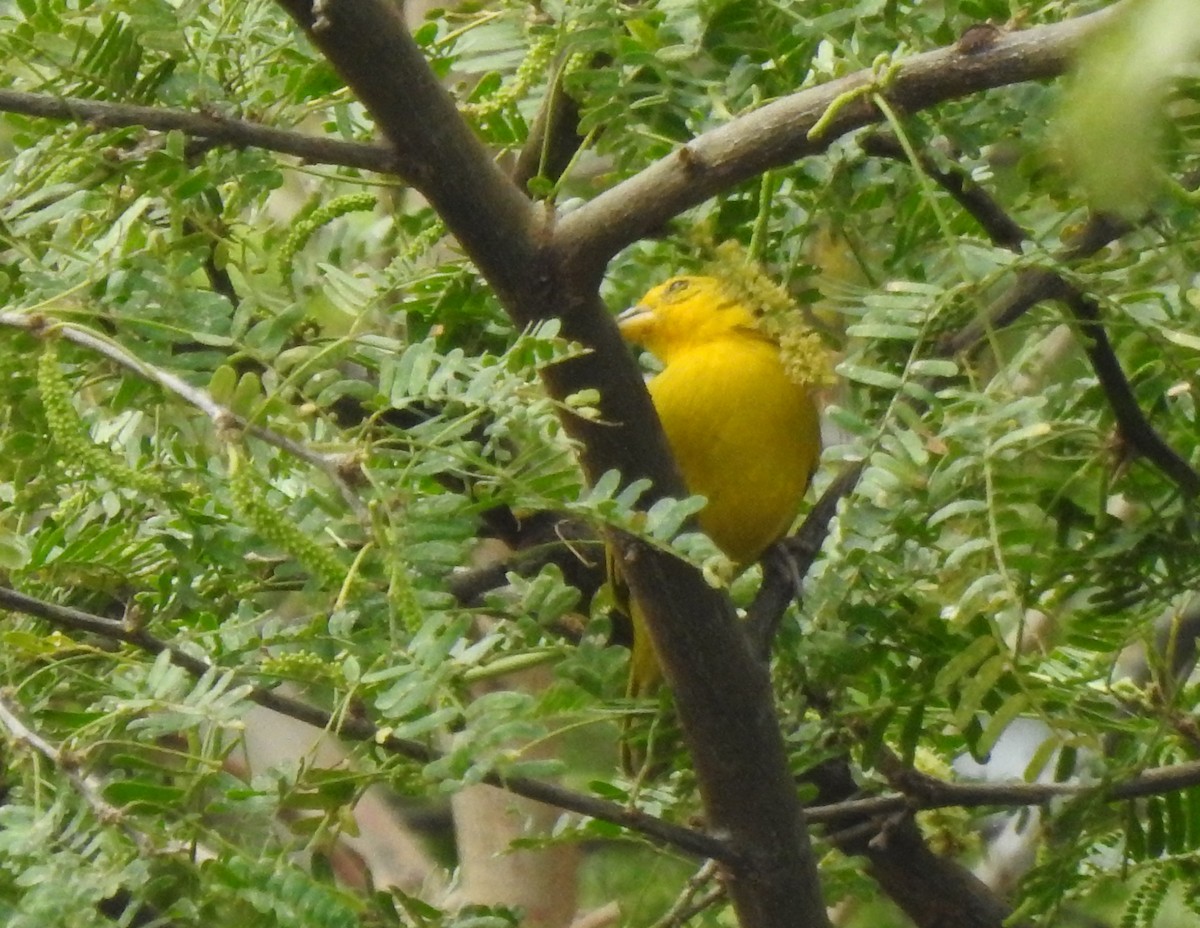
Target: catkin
(69, 431)
(274, 527)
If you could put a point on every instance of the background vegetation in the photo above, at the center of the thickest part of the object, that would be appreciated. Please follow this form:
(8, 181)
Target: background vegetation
(309, 409)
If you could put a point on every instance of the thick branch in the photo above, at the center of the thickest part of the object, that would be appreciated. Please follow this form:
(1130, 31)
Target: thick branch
(509, 238)
(723, 695)
(367, 42)
(778, 134)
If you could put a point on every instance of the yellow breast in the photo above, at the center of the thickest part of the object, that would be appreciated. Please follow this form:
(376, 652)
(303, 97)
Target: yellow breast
(744, 436)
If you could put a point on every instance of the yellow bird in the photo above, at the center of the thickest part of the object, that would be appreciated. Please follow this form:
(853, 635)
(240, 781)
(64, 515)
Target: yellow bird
(745, 435)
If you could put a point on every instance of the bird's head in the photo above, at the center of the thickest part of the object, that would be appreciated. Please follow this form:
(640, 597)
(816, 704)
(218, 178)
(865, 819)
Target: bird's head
(684, 312)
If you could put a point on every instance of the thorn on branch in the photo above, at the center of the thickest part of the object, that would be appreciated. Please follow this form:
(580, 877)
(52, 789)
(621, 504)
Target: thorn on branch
(690, 160)
(978, 37)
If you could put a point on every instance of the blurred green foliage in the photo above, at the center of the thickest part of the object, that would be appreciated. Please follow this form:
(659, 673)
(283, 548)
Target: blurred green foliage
(995, 491)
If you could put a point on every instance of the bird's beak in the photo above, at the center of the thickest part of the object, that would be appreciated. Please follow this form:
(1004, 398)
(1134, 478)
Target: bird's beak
(634, 321)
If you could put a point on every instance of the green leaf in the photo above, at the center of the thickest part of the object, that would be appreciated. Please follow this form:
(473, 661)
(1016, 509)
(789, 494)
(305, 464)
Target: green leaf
(1135, 835)
(883, 330)
(956, 508)
(869, 376)
(976, 688)
(962, 663)
(933, 367)
(1009, 710)
(140, 792)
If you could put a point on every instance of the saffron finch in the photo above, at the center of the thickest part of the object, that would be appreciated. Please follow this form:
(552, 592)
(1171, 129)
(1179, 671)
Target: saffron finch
(744, 434)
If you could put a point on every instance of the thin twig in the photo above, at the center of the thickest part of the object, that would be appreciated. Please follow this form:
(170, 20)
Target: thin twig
(1132, 422)
(606, 915)
(88, 786)
(224, 130)
(694, 898)
(1001, 228)
(223, 418)
(1036, 284)
(360, 729)
(926, 792)
(554, 137)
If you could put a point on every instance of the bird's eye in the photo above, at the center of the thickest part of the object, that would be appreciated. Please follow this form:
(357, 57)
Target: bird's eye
(678, 286)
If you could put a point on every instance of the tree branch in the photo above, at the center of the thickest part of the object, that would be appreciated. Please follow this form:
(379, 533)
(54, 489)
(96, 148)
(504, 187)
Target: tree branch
(553, 137)
(1001, 228)
(723, 694)
(331, 465)
(539, 271)
(359, 729)
(1035, 284)
(920, 790)
(1131, 421)
(222, 130)
(89, 787)
(779, 133)
(925, 792)
(367, 42)
(781, 581)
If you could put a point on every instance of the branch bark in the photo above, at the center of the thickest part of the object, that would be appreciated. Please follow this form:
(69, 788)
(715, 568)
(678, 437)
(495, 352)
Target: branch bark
(222, 130)
(865, 816)
(542, 267)
(722, 693)
(779, 133)
(1036, 284)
